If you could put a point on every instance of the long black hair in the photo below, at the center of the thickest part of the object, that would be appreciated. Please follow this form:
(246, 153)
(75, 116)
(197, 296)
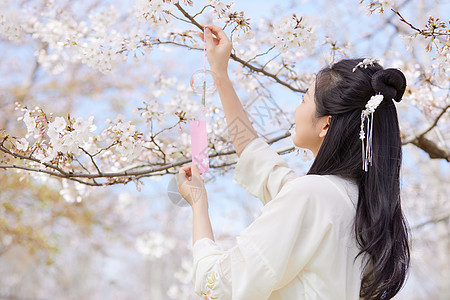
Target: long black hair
(380, 226)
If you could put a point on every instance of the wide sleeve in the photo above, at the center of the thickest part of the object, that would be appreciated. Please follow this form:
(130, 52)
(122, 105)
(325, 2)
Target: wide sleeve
(269, 253)
(261, 171)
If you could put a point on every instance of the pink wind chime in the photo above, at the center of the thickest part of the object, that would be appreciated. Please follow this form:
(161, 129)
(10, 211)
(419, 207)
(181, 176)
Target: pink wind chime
(203, 82)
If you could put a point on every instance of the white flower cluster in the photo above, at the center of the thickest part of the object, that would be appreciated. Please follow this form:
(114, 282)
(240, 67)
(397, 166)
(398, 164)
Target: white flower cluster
(291, 33)
(30, 122)
(68, 139)
(93, 42)
(71, 143)
(22, 144)
(61, 34)
(99, 57)
(225, 14)
(100, 47)
(63, 137)
(100, 22)
(129, 140)
(220, 8)
(154, 12)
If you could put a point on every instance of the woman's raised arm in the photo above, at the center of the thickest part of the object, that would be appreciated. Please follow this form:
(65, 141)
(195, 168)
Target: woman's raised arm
(218, 48)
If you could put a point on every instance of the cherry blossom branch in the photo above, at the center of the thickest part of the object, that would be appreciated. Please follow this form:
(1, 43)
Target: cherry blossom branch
(118, 177)
(30, 158)
(436, 120)
(268, 74)
(387, 21)
(254, 68)
(432, 26)
(48, 173)
(433, 150)
(200, 12)
(260, 54)
(246, 64)
(430, 147)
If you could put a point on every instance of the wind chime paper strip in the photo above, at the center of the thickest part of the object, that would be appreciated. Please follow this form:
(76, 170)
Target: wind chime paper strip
(199, 145)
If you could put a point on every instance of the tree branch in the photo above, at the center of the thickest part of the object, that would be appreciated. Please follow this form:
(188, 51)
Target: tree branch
(121, 177)
(444, 110)
(427, 145)
(426, 33)
(437, 219)
(431, 148)
(241, 61)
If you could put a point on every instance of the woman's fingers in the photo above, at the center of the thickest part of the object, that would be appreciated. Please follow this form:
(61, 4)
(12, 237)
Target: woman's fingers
(185, 171)
(194, 171)
(218, 32)
(190, 171)
(209, 38)
(192, 190)
(200, 35)
(218, 47)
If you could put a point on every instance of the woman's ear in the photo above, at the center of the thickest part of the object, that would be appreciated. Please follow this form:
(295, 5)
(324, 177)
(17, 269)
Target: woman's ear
(325, 126)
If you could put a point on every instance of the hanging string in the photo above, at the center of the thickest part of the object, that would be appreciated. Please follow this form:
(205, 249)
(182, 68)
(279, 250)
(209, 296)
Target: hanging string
(204, 76)
(204, 68)
(199, 139)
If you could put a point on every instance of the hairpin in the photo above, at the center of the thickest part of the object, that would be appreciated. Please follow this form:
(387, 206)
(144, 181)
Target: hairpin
(365, 63)
(366, 140)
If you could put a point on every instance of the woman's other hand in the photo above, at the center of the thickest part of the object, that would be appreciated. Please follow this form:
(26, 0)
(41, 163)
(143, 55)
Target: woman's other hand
(191, 186)
(218, 48)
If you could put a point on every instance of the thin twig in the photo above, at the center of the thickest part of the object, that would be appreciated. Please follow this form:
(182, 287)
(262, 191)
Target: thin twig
(260, 54)
(406, 22)
(200, 12)
(241, 61)
(438, 219)
(92, 160)
(435, 122)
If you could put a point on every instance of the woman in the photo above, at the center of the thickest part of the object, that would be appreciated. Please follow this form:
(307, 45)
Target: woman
(336, 233)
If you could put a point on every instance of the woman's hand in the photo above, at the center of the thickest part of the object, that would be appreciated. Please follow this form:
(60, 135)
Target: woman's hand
(218, 48)
(191, 186)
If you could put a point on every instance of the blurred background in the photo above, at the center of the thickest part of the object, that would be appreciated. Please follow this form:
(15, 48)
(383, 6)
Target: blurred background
(116, 59)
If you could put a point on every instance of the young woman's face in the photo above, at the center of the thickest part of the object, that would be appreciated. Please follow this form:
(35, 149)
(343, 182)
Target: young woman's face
(308, 129)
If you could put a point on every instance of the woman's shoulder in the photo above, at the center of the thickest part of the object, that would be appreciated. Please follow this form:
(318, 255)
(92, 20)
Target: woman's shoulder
(324, 189)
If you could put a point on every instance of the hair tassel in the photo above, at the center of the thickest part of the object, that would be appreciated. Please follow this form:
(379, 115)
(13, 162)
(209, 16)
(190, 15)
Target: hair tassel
(366, 139)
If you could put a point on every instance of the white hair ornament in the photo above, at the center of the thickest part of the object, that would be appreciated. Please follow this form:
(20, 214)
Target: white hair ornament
(366, 139)
(365, 63)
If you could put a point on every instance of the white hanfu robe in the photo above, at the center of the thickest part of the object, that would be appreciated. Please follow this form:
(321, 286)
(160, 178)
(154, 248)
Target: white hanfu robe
(301, 246)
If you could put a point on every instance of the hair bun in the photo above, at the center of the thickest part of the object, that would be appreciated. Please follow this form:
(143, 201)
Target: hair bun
(391, 83)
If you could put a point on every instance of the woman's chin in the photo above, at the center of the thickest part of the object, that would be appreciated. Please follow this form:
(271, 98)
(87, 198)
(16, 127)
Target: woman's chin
(294, 141)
